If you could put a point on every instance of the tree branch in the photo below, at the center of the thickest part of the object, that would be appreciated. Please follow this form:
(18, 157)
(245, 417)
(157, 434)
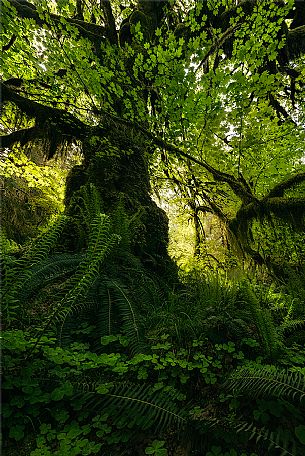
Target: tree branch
(93, 32)
(7, 46)
(278, 190)
(236, 185)
(109, 21)
(295, 42)
(23, 136)
(280, 206)
(42, 114)
(215, 46)
(53, 125)
(278, 107)
(214, 209)
(79, 10)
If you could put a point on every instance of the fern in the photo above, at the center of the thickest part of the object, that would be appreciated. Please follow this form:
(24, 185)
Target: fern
(121, 224)
(291, 325)
(117, 312)
(53, 270)
(148, 408)
(127, 313)
(261, 381)
(46, 241)
(10, 303)
(7, 246)
(205, 306)
(279, 439)
(18, 273)
(100, 245)
(270, 338)
(91, 204)
(101, 242)
(104, 302)
(87, 204)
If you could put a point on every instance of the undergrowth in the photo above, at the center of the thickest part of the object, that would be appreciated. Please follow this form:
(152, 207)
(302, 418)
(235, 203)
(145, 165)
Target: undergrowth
(101, 357)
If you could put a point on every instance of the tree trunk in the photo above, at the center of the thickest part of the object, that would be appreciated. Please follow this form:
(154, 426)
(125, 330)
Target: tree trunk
(123, 179)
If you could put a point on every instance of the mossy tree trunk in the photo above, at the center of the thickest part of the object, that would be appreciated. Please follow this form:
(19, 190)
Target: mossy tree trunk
(123, 179)
(115, 155)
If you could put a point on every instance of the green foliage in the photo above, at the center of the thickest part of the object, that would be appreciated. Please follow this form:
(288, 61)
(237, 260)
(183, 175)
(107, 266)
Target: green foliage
(262, 318)
(116, 358)
(33, 194)
(18, 272)
(156, 448)
(90, 403)
(261, 381)
(101, 356)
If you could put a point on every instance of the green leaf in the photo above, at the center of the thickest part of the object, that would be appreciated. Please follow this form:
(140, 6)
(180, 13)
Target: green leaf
(17, 432)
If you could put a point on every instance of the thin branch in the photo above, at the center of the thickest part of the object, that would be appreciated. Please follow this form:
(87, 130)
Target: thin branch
(215, 46)
(295, 42)
(214, 209)
(79, 10)
(278, 107)
(238, 187)
(225, 139)
(7, 46)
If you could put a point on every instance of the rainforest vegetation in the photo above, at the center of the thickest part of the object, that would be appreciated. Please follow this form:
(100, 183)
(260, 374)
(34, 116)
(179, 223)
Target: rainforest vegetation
(152, 176)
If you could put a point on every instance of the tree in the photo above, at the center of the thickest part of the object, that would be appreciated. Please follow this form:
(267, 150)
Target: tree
(208, 97)
(196, 87)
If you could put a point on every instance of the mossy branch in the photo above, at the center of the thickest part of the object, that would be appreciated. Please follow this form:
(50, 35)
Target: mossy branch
(278, 190)
(25, 10)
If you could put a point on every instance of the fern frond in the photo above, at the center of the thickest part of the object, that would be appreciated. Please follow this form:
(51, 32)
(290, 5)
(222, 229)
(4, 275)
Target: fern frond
(127, 310)
(278, 439)
(92, 203)
(101, 242)
(7, 246)
(48, 272)
(19, 273)
(104, 302)
(121, 224)
(270, 338)
(149, 408)
(117, 312)
(45, 242)
(89, 203)
(260, 381)
(292, 325)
